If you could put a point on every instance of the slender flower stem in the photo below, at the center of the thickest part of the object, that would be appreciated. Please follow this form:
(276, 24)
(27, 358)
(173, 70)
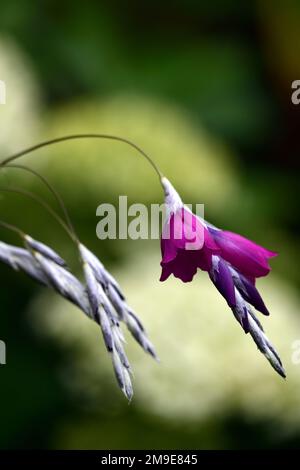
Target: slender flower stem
(6, 163)
(13, 228)
(51, 189)
(45, 206)
(82, 136)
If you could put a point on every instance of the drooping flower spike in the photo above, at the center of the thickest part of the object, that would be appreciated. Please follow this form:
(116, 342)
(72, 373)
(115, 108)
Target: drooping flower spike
(101, 299)
(233, 263)
(44, 265)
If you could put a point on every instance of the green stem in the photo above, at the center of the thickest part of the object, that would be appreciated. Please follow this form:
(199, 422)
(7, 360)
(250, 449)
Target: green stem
(82, 136)
(45, 206)
(13, 228)
(51, 189)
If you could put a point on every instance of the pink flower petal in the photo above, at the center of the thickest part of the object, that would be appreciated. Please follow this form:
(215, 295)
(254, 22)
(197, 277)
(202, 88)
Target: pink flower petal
(246, 256)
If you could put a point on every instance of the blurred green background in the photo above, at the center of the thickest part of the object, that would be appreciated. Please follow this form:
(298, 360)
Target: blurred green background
(205, 89)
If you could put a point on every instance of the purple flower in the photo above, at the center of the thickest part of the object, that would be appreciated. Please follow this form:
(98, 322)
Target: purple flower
(246, 256)
(186, 243)
(233, 263)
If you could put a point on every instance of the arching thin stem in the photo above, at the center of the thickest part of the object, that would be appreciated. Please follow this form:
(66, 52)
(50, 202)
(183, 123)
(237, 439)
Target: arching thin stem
(44, 205)
(51, 189)
(13, 228)
(82, 136)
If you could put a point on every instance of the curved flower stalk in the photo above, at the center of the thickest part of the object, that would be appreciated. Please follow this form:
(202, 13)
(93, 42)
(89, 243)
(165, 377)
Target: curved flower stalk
(233, 263)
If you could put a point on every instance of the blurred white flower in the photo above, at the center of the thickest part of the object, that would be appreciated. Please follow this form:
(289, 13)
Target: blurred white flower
(20, 115)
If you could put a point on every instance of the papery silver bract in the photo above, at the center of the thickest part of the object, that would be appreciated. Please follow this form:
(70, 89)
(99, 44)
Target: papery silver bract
(239, 292)
(104, 314)
(64, 283)
(20, 259)
(44, 250)
(265, 347)
(6, 256)
(101, 274)
(116, 298)
(131, 320)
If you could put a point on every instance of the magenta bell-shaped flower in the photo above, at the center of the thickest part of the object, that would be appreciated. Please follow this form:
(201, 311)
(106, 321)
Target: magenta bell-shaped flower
(233, 263)
(186, 243)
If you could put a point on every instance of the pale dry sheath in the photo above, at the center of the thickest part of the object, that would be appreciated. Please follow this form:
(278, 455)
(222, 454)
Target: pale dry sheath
(107, 301)
(115, 298)
(100, 299)
(240, 294)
